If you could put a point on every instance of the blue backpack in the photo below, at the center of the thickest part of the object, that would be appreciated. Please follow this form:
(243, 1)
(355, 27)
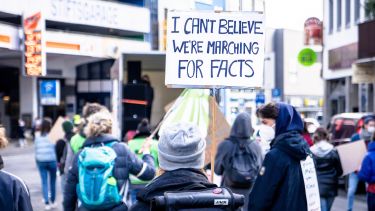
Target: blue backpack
(97, 188)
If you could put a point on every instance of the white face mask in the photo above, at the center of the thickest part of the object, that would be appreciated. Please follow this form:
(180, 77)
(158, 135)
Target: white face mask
(371, 129)
(266, 133)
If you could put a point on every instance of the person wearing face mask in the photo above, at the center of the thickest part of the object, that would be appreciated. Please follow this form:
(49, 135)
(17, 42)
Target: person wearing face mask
(366, 133)
(328, 168)
(280, 183)
(239, 158)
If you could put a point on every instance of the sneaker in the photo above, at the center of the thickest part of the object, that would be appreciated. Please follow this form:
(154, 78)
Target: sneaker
(54, 205)
(47, 207)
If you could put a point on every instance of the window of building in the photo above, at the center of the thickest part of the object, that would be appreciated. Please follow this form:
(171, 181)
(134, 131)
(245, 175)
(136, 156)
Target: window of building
(357, 5)
(330, 16)
(339, 9)
(347, 13)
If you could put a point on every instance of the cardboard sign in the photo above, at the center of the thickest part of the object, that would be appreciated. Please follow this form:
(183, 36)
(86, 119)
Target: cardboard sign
(57, 131)
(311, 184)
(351, 156)
(207, 49)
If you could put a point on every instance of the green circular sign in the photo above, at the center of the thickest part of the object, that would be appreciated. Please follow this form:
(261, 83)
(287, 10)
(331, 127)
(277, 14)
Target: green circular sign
(307, 57)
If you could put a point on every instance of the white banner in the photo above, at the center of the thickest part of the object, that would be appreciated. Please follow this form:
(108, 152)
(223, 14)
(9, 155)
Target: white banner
(311, 184)
(207, 49)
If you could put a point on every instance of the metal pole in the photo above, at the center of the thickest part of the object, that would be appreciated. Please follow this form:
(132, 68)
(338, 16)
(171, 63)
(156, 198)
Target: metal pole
(213, 132)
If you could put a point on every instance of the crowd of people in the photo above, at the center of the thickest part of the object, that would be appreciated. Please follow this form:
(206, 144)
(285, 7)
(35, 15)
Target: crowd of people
(100, 172)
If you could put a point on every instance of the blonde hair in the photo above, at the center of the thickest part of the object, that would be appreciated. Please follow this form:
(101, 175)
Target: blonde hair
(99, 123)
(3, 138)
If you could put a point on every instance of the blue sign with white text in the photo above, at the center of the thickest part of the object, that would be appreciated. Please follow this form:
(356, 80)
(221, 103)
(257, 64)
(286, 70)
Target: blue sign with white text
(49, 91)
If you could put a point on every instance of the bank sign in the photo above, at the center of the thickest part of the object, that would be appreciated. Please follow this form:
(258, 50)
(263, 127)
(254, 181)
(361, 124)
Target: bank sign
(49, 92)
(208, 49)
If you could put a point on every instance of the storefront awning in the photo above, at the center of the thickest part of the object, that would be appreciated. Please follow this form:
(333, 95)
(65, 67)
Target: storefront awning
(364, 71)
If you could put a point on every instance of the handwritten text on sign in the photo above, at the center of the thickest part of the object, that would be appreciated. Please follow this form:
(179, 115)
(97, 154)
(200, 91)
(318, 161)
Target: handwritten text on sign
(311, 184)
(215, 49)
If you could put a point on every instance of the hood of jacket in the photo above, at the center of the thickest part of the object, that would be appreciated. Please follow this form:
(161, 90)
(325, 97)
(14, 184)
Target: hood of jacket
(177, 180)
(371, 146)
(102, 139)
(242, 128)
(287, 120)
(293, 144)
(322, 148)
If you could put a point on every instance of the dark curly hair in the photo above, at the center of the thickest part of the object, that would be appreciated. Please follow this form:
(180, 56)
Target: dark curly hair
(269, 110)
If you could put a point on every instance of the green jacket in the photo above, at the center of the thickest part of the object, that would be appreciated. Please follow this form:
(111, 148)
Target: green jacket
(135, 145)
(77, 142)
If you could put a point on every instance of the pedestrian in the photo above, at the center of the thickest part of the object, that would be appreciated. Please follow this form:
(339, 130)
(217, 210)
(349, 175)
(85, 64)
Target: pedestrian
(14, 193)
(181, 160)
(365, 134)
(21, 133)
(280, 183)
(367, 174)
(135, 145)
(78, 139)
(61, 150)
(47, 163)
(76, 142)
(306, 135)
(104, 189)
(328, 168)
(239, 158)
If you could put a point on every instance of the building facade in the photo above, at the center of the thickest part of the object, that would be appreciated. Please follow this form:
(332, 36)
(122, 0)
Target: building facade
(341, 59)
(82, 38)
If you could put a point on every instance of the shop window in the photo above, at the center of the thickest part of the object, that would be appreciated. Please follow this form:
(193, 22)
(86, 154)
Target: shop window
(94, 71)
(82, 72)
(106, 69)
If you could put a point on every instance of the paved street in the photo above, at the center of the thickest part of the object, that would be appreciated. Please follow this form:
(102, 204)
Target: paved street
(21, 163)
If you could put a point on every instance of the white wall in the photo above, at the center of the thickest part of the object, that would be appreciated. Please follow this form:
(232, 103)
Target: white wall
(299, 80)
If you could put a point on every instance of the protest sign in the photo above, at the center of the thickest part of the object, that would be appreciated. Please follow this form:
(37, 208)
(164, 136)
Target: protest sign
(351, 156)
(311, 184)
(57, 131)
(211, 50)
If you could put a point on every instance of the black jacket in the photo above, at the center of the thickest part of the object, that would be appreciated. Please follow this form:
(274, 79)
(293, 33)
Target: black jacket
(126, 163)
(14, 194)
(280, 185)
(177, 180)
(240, 135)
(328, 169)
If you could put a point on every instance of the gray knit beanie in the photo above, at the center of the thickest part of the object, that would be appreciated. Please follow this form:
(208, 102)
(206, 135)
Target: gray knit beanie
(181, 145)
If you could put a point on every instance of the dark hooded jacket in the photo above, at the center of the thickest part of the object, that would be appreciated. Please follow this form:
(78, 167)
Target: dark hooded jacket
(240, 135)
(177, 180)
(126, 163)
(280, 184)
(14, 193)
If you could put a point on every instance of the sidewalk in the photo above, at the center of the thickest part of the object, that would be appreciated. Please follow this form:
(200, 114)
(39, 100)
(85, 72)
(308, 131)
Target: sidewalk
(21, 162)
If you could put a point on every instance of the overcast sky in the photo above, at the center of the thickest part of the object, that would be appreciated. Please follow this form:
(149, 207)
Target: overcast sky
(291, 14)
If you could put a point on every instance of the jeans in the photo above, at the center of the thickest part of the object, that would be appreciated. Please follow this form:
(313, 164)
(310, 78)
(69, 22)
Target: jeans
(45, 169)
(326, 203)
(353, 183)
(371, 201)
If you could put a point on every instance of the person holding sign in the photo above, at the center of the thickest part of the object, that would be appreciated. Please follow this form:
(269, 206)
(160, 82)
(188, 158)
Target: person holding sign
(285, 177)
(367, 174)
(328, 168)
